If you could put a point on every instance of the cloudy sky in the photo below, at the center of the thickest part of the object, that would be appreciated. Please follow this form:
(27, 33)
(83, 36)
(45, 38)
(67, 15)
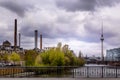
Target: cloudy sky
(73, 22)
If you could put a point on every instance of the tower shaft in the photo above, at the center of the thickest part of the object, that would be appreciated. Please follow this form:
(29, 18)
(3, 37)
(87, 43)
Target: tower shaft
(102, 39)
(102, 54)
(36, 38)
(15, 35)
(41, 41)
(19, 40)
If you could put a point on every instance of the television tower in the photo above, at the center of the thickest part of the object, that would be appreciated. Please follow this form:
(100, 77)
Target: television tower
(102, 39)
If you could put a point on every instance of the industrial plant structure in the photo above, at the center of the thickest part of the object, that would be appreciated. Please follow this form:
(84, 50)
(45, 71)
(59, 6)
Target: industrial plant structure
(7, 46)
(36, 39)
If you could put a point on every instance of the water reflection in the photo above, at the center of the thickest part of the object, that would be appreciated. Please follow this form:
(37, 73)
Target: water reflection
(95, 65)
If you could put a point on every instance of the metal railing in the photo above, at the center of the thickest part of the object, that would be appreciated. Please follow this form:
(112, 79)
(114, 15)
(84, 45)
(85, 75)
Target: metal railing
(98, 72)
(64, 71)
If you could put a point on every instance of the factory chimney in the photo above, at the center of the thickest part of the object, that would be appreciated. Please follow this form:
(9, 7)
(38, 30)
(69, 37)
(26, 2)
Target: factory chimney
(19, 40)
(36, 38)
(41, 41)
(15, 35)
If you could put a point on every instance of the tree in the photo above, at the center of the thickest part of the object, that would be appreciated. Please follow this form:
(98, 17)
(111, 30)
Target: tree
(38, 61)
(30, 57)
(71, 59)
(80, 54)
(14, 57)
(4, 57)
(80, 60)
(45, 58)
(59, 45)
(57, 58)
(65, 48)
(67, 61)
(53, 57)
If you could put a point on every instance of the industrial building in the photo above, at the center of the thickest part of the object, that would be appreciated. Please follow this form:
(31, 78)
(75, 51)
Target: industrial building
(7, 46)
(16, 46)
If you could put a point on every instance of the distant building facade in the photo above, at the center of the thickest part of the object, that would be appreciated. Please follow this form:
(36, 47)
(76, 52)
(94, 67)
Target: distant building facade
(6, 46)
(48, 48)
(113, 54)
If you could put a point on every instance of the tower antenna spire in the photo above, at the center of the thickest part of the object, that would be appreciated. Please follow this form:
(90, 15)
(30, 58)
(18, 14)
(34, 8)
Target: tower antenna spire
(102, 28)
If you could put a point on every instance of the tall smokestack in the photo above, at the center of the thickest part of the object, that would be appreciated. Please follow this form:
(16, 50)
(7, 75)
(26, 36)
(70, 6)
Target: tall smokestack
(19, 40)
(36, 38)
(15, 35)
(41, 41)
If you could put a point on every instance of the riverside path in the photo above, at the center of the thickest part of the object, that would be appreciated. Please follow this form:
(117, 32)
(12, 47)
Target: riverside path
(59, 79)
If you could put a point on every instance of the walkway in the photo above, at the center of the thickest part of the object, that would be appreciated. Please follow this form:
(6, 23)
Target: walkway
(59, 78)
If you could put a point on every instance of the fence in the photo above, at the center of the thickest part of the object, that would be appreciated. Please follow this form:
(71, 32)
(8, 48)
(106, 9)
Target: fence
(64, 71)
(98, 71)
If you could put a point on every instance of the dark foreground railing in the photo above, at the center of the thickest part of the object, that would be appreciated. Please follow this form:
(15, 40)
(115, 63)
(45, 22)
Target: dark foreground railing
(37, 71)
(64, 71)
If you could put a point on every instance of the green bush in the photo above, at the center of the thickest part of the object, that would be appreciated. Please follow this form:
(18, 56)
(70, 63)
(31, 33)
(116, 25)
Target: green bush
(58, 57)
(30, 57)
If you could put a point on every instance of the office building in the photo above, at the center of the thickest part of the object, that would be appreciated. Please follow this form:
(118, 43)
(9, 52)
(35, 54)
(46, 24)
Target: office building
(113, 54)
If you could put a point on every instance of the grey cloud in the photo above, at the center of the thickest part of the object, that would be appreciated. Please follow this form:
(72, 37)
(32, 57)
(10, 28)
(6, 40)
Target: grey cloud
(114, 41)
(48, 31)
(101, 3)
(15, 7)
(94, 33)
(4, 37)
(76, 5)
(84, 5)
(6, 34)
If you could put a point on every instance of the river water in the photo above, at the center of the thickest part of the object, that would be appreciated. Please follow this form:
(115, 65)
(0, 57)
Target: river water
(94, 65)
(94, 70)
(88, 70)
